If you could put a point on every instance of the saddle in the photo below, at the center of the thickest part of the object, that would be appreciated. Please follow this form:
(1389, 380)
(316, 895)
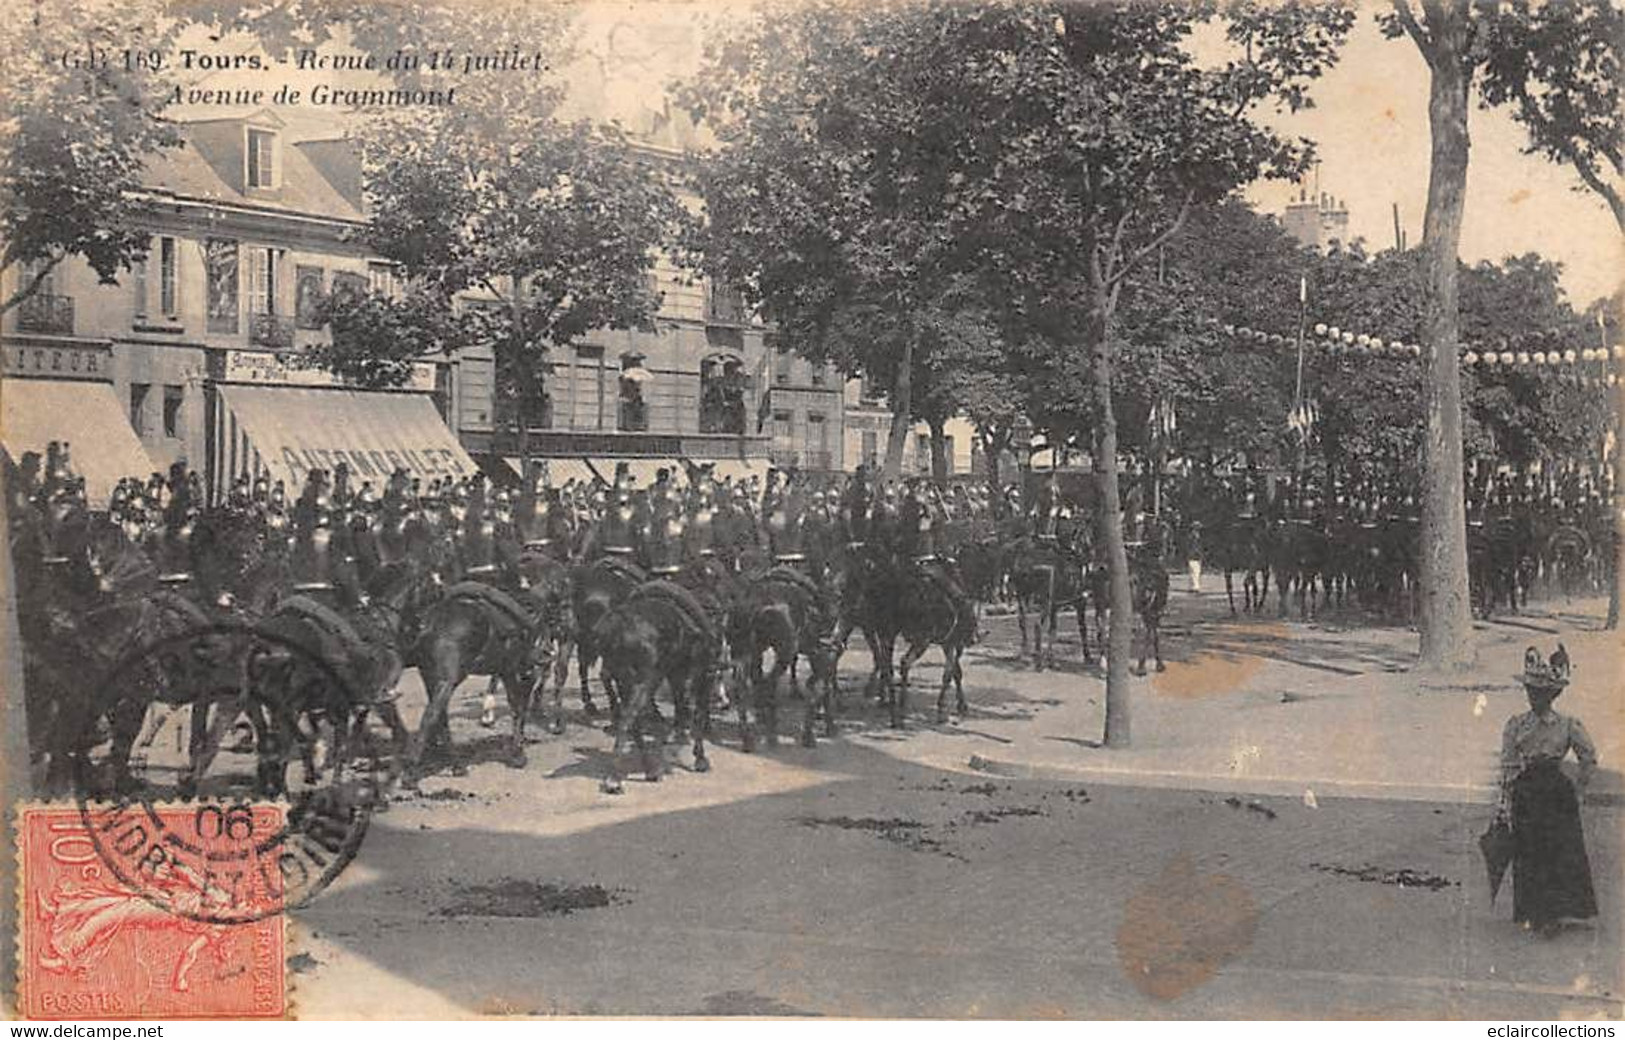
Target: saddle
(325, 618)
(489, 595)
(622, 568)
(683, 599)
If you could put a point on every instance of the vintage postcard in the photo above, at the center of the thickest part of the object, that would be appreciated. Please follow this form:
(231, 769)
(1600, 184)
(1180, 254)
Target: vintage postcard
(916, 509)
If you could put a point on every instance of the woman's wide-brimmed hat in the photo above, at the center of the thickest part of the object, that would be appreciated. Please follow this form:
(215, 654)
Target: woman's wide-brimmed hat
(1542, 674)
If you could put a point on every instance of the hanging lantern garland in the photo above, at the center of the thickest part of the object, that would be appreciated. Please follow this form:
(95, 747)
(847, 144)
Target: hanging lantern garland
(1338, 342)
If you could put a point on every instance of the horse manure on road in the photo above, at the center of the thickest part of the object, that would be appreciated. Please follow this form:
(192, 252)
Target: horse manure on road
(1404, 877)
(514, 897)
(910, 834)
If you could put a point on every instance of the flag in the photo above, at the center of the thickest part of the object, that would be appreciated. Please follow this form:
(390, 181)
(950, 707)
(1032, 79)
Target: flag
(1302, 418)
(1163, 420)
(764, 391)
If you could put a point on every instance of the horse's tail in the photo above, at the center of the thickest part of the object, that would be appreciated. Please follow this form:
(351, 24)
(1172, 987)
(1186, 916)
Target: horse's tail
(772, 627)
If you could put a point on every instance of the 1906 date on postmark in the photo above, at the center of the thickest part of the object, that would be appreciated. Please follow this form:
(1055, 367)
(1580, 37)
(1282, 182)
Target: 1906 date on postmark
(170, 912)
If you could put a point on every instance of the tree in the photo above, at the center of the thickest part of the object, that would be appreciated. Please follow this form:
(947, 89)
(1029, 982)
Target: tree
(832, 198)
(79, 125)
(1112, 134)
(555, 225)
(1558, 66)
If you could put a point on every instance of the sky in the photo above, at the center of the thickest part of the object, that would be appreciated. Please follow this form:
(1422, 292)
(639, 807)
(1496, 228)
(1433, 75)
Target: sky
(1369, 123)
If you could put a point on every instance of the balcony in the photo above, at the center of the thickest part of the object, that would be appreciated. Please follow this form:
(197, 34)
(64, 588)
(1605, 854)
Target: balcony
(724, 306)
(46, 312)
(271, 330)
(785, 458)
(820, 460)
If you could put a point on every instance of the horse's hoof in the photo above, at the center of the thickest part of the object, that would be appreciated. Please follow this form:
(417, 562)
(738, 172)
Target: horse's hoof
(702, 765)
(517, 759)
(1161, 667)
(613, 786)
(556, 727)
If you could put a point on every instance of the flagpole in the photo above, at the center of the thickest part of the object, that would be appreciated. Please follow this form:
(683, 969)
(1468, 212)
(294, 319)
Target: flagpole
(1297, 394)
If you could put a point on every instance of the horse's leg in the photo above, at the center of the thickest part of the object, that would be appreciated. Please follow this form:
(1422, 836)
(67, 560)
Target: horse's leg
(700, 693)
(742, 698)
(519, 695)
(1154, 627)
(586, 654)
(1021, 622)
(1230, 591)
(809, 718)
(950, 661)
(441, 680)
(878, 675)
(1082, 614)
(624, 727)
(900, 705)
(488, 703)
(962, 705)
(767, 697)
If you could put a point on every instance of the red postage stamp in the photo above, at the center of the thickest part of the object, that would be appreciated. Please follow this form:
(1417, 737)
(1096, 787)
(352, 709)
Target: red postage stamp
(149, 912)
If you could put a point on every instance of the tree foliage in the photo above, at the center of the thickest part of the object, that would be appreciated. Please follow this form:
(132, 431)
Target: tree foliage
(77, 127)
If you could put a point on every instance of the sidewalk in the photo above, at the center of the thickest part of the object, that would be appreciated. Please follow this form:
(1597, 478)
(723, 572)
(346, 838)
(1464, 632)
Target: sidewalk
(1283, 708)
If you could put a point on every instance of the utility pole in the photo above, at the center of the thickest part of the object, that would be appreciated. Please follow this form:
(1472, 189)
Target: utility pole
(1399, 233)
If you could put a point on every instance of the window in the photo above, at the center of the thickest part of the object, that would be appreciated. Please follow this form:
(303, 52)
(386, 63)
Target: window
(262, 169)
(168, 277)
(817, 442)
(587, 389)
(138, 283)
(922, 452)
(386, 281)
(220, 262)
(871, 448)
(47, 281)
(948, 452)
(138, 407)
(173, 396)
(819, 374)
(782, 360)
(722, 395)
(262, 280)
(781, 429)
(307, 297)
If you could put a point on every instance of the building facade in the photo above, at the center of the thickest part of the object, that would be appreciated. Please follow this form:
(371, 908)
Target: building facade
(253, 221)
(1316, 222)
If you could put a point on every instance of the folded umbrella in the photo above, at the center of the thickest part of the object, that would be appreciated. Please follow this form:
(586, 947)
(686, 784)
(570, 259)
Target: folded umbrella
(1495, 845)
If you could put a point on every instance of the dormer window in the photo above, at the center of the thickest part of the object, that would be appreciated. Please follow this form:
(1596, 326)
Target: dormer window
(262, 158)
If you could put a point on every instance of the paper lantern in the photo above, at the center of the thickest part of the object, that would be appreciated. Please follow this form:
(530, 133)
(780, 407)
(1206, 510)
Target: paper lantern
(1570, 357)
(1320, 328)
(1523, 357)
(1619, 353)
(1588, 354)
(1413, 349)
(1538, 357)
(1554, 359)
(1507, 357)
(1376, 344)
(1335, 333)
(1365, 341)
(1348, 338)
(1490, 358)
(1469, 358)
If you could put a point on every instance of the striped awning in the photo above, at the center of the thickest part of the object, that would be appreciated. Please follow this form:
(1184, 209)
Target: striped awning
(87, 416)
(560, 471)
(285, 432)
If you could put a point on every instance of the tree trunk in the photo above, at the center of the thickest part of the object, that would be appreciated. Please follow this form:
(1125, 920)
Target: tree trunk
(1445, 616)
(939, 453)
(1617, 586)
(992, 449)
(14, 749)
(1120, 633)
(902, 407)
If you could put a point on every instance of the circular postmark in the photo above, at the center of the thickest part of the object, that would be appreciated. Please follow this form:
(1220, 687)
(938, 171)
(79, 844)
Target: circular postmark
(225, 771)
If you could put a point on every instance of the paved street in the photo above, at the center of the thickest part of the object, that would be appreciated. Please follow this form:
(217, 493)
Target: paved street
(881, 874)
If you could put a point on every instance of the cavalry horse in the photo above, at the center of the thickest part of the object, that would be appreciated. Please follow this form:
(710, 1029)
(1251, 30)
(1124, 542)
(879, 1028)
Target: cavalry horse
(939, 614)
(787, 612)
(477, 628)
(659, 635)
(596, 589)
(1047, 574)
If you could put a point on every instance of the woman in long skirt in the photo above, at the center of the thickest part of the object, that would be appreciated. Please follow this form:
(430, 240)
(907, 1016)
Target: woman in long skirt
(1551, 876)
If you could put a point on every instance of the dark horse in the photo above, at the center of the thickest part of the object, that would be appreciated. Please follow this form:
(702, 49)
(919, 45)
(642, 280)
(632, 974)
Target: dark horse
(785, 611)
(660, 634)
(1047, 575)
(939, 614)
(477, 628)
(598, 587)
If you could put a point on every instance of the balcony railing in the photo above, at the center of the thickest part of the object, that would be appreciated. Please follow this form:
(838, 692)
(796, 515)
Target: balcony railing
(46, 312)
(270, 330)
(724, 305)
(785, 458)
(634, 417)
(820, 460)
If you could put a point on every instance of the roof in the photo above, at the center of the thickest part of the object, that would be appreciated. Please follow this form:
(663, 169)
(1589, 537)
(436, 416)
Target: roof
(205, 166)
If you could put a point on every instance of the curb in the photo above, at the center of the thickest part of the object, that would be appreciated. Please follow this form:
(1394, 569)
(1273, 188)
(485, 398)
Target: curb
(1270, 786)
